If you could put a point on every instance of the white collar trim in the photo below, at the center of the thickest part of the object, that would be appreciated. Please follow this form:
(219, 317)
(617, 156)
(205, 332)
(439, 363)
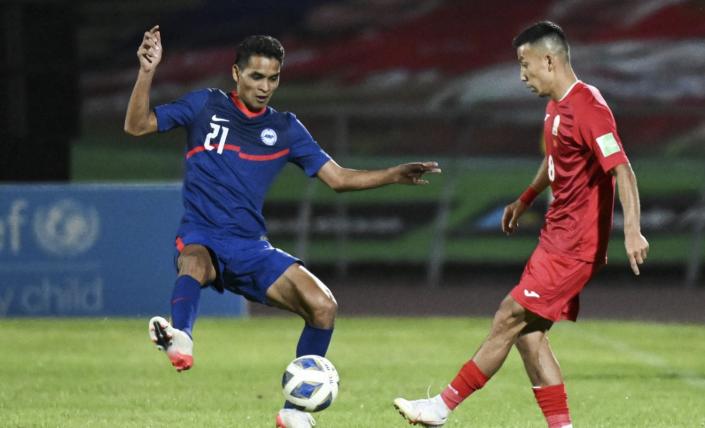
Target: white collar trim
(569, 89)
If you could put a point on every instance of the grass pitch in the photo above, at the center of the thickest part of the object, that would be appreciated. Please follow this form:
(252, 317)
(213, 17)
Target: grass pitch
(106, 373)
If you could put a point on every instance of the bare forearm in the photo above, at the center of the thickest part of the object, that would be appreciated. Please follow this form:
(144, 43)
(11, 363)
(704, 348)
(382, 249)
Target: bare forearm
(354, 179)
(538, 184)
(541, 181)
(635, 244)
(137, 118)
(629, 199)
(346, 179)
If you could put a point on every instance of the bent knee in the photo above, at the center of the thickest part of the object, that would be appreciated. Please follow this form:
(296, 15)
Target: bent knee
(323, 312)
(510, 311)
(197, 266)
(508, 320)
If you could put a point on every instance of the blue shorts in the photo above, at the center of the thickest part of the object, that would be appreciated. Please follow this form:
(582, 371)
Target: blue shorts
(244, 266)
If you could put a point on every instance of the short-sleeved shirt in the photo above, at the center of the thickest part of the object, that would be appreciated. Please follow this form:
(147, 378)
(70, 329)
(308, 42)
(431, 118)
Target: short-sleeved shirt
(232, 159)
(582, 146)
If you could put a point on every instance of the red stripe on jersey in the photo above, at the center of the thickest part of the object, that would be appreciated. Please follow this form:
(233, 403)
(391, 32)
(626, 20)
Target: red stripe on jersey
(179, 244)
(273, 156)
(234, 148)
(194, 151)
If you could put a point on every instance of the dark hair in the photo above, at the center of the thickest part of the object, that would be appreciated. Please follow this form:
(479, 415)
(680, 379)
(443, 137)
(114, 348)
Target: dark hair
(542, 30)
(258, 45)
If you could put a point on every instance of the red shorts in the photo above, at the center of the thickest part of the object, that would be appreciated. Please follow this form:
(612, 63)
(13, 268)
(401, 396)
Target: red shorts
(551, 284)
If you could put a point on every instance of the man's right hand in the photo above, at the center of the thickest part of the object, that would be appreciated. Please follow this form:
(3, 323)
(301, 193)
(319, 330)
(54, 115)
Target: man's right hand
(510, 217)
(150, 51)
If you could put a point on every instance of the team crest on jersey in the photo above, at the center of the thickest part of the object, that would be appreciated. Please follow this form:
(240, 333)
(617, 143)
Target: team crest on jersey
(268, 136)
(556, 123)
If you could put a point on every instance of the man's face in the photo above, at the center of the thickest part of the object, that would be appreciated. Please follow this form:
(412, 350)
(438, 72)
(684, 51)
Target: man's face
(257, 81)
(535, 69)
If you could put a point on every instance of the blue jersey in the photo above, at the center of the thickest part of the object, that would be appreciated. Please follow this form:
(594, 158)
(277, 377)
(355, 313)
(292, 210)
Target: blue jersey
(232, 159)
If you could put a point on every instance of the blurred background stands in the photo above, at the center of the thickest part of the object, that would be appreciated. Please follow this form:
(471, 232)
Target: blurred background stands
(376, 82)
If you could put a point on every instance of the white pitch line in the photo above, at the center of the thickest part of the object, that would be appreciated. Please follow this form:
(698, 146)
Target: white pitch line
(649, 358)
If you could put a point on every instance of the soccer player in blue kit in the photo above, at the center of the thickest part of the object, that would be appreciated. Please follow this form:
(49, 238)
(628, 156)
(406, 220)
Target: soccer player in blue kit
(237, 145)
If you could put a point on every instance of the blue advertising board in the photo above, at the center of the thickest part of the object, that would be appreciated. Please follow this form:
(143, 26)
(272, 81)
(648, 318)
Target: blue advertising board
(93, 250)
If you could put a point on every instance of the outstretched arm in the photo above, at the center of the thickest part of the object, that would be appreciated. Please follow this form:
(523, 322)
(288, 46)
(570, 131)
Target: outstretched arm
(512, 212)
(345, 179)
(636, 245)
(139, 119)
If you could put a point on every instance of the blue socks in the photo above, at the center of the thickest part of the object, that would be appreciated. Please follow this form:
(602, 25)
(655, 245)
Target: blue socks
(184, 303)
(314, 341)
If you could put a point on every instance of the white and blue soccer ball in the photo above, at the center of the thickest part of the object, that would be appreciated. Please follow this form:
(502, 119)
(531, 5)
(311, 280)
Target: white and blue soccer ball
(310, 383)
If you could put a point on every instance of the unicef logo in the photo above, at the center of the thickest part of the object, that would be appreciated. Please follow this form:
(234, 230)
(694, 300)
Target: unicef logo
(66, 228)
(268, 136)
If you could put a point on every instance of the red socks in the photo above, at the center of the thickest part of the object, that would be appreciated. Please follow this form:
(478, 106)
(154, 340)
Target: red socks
(552, 399)
(553, 402)
(468, 380)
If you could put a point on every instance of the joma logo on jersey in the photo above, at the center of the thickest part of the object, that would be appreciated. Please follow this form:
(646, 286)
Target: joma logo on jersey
(531, 293)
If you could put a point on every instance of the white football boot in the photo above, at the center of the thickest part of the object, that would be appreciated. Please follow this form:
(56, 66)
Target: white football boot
(429, 412)
(177, 344)
(292, 418)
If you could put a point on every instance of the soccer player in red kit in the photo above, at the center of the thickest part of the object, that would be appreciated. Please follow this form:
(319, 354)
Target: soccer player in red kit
(584, 158)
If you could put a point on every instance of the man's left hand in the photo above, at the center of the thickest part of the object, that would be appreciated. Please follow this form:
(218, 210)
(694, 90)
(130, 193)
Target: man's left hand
(412, 173)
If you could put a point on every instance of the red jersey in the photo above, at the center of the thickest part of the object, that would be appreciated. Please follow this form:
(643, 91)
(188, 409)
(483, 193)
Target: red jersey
(582, 146)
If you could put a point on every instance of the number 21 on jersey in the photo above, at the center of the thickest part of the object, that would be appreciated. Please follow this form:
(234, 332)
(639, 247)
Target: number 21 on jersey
(210, 137)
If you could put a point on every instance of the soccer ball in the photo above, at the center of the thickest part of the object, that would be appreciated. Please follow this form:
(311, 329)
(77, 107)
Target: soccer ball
(310, 383)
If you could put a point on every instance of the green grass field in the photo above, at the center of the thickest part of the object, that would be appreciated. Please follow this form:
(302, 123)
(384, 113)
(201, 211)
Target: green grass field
(106, 373)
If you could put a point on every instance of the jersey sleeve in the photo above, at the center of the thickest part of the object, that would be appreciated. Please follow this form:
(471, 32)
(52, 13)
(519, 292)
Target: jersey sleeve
(599, 130)
(180, 112)
(305, 151)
